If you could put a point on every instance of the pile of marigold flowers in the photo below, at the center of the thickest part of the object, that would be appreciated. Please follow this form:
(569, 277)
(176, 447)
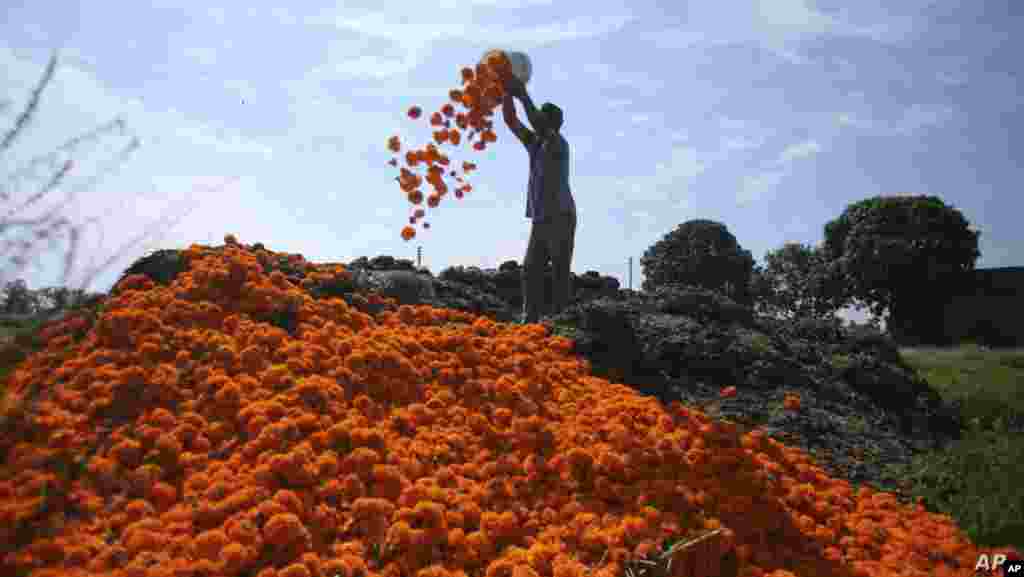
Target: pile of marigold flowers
(481, 92)
(182, 434)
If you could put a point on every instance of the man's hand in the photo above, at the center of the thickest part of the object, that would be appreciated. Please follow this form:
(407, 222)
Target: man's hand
(515, 86)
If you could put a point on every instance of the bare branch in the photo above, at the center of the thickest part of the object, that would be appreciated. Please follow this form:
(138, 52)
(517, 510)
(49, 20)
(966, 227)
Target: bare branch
(54, 181)
(91, 276)
(50, 158)
(112, 165)
(33, 102)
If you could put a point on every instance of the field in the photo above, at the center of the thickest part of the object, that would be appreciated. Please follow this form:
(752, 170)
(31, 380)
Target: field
(978, 481)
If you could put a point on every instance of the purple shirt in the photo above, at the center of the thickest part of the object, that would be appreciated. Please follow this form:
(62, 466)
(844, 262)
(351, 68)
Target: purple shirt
(562, 200)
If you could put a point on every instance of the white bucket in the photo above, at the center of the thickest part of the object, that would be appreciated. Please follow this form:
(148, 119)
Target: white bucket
(520, 62)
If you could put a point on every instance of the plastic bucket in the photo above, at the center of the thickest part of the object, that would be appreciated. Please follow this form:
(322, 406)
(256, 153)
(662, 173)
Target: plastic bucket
(519, 61)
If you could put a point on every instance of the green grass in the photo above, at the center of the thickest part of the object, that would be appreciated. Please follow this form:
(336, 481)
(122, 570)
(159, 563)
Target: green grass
(978, 480)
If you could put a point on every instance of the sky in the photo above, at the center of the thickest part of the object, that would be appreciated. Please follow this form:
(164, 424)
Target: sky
(770, 116)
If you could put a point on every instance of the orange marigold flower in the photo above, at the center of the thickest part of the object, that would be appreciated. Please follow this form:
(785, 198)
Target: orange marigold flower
(284, 529)
(294, 570)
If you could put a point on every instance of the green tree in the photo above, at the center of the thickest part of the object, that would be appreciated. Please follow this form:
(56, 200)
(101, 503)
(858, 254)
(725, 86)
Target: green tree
(797, 282)
(902, 256)
(700, 253)
(17, 299)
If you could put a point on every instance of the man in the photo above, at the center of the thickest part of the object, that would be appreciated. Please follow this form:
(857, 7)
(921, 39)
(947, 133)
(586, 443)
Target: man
(549, 202)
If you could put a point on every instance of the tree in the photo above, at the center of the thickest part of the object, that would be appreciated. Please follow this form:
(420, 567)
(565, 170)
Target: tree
(700, 253)
(902, 255)
(17, 299)
(797, 282)
(31, 232)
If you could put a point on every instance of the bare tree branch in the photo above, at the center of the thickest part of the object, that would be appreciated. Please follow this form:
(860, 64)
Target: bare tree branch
(33, 102)
(50, 158)
(50, 226)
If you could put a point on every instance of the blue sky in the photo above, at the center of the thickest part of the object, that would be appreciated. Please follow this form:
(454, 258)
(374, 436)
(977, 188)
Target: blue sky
(770, 116)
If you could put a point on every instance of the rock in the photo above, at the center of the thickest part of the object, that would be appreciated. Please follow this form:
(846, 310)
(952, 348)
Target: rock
(405, 286)
(161, 266)
(496, 293)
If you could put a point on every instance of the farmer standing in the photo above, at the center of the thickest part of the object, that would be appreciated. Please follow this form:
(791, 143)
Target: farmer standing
(549, 202)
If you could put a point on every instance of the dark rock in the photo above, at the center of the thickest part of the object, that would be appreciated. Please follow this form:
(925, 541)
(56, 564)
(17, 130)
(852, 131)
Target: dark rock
(161, 266)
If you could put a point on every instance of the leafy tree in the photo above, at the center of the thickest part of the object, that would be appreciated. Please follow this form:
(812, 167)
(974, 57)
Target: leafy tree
(902, 255)
(17, 299)
(797, 282)
(61, 298)
(700, 253)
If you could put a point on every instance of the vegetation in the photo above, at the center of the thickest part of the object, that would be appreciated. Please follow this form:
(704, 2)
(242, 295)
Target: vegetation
(896, 254)
(796, 283)
(700, 253)
(977, 480)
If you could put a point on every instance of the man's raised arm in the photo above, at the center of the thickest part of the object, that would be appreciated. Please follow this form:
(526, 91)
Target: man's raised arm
(508, 111)
(537, 120)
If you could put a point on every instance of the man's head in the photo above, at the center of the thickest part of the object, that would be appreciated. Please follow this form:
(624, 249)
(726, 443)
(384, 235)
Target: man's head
(552, 116)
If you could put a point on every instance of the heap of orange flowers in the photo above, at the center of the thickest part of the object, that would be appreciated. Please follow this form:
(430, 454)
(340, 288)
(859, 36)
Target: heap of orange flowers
(183, 433)
(481, 92)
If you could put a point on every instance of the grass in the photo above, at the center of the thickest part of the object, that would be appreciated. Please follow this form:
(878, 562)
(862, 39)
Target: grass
(977, 480)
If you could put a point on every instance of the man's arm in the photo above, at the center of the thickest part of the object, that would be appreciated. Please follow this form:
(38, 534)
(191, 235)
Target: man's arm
(508, 111)
(517, 88)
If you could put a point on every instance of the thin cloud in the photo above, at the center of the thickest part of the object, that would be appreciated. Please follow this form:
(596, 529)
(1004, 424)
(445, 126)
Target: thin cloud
(414, 37)
(741, 143)
(757, 187)
(912, 119)
(780, 27)
(920, 116)
(798, 151)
